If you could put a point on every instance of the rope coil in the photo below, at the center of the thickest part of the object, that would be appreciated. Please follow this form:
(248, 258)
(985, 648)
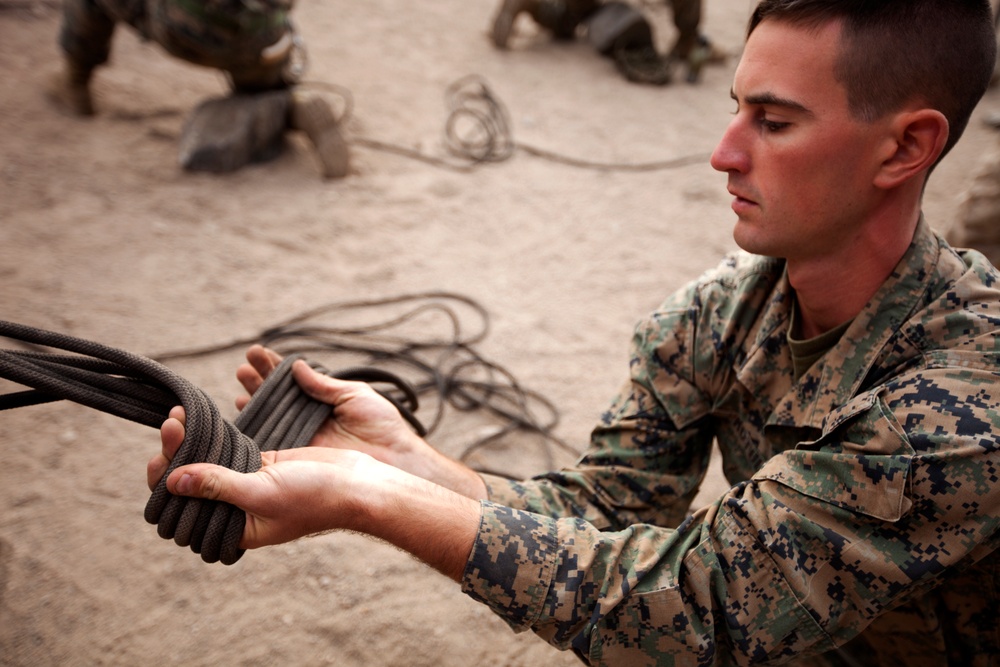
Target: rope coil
(279, 416)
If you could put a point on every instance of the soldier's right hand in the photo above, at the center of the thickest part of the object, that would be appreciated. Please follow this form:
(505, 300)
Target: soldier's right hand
(365, 421)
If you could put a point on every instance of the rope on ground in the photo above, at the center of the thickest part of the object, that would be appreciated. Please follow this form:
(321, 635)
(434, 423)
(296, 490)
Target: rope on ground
(478, 131)
(429, 339)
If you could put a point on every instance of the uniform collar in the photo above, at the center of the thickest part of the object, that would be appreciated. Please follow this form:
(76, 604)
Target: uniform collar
(839, 375)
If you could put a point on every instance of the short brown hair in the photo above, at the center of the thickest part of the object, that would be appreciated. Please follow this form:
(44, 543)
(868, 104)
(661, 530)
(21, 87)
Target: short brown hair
(941, 52)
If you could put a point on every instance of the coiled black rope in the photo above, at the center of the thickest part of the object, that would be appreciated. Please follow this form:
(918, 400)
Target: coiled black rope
(279, 416)
(478, 127)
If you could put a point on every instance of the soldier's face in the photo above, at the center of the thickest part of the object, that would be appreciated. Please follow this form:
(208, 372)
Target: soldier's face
(800, 167)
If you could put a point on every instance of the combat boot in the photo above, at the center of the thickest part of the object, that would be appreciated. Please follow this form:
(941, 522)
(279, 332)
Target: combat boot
(311, 114)
(560, 17)
(620, 31)
(223, 134)
(69, 89)
(696, 53)
(504, 21)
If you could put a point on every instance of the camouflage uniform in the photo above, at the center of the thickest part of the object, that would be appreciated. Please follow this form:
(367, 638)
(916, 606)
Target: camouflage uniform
(866, 501)
(229, 35)
(687, 17)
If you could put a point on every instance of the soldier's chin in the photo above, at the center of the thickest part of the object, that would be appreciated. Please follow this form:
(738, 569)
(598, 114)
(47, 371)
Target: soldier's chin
(748, 237)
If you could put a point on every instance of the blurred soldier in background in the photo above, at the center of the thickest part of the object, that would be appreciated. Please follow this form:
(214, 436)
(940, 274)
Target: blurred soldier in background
(252, 41)
(611, 21)
(978, 224)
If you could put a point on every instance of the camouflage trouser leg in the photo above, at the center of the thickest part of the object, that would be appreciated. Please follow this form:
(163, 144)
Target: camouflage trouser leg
(88, 26)
(203, 34)
(687, 18)
(254, 55)
(85, 34)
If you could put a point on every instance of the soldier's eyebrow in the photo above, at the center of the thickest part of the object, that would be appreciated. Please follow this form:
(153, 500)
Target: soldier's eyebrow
(772, 100)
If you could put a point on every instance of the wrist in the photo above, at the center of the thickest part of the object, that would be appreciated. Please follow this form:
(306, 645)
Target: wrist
(437, 525)
(419, 458)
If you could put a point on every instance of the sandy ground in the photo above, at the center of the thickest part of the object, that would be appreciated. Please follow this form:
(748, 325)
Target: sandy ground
(103, 237)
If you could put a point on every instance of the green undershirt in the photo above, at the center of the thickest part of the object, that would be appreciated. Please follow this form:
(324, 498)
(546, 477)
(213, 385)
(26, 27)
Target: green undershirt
(806, 352)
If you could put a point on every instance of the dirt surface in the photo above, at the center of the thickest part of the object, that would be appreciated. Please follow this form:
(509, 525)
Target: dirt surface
(102, 236)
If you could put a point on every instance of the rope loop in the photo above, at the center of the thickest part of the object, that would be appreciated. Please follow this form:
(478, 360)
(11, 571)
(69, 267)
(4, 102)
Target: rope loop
(478, 126)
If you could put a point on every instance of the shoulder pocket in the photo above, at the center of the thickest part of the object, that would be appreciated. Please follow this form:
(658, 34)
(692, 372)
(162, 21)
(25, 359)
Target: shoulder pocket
(861, 463)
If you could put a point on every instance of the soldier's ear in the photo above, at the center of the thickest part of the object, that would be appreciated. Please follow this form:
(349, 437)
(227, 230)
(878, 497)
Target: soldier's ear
(914, 141)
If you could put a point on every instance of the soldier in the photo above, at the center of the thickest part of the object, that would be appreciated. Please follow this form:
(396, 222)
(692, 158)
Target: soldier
(253, 43)
(563, 17)
(978, 224)
(846, 362)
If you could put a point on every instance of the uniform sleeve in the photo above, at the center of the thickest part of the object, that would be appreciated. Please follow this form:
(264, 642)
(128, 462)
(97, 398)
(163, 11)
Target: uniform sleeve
(641, 596)
(651, 449)
(899, 494)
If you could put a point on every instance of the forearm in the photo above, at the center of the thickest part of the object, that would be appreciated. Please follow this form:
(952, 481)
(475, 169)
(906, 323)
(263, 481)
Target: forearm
(421, 459)
(431, 522)
(308, 490)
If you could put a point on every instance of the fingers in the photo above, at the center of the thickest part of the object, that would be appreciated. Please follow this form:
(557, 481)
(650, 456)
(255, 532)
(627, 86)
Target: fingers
(315, 454)
(171, 437)
(283, 501)
(260, 362)
(177, 412)
(263, 360)
(319, 386)
(207, 480)
(155, 468)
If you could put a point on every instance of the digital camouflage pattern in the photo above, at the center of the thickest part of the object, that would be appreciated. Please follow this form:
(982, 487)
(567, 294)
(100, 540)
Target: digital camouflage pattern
(236, 36)
(864, 515)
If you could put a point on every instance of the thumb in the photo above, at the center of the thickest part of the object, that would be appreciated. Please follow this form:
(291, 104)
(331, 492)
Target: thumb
(318, 385)
(207, 480)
